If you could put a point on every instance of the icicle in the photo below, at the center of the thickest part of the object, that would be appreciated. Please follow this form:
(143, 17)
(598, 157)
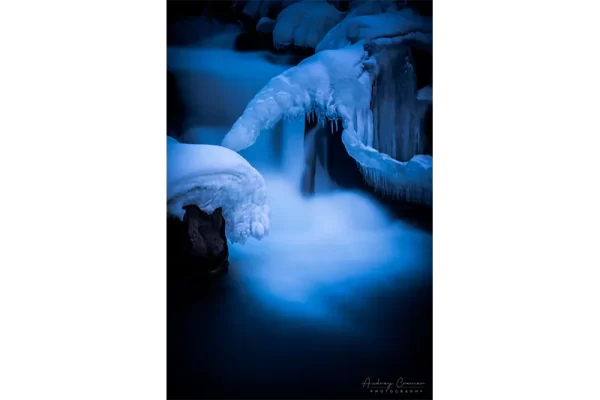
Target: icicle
(369, 128)
(360, 126)
(336, 124)
(393, 126)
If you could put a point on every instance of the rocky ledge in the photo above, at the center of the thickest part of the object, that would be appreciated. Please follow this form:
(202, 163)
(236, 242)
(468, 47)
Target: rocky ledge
(197, 246)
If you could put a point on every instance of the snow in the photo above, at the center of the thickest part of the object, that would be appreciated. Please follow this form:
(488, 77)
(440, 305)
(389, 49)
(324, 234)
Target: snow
(257, 8)
(331, 84)
(265, 25)
(425, 94)
(365, 7)
(305, 23)
(319, 83)
(211, 177)
(384, 28)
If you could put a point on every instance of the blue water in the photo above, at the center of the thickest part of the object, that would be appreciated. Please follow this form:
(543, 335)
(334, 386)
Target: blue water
(337, 293)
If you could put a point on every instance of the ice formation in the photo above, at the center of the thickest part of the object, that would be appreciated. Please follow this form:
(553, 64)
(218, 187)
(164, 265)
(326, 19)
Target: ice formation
(331, 85)
(362, 75)
(305, 23)
(211, 177)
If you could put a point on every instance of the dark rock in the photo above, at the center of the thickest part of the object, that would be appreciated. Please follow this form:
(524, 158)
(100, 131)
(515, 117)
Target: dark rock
(428, 129)
(176, 111)
(253, 41)
(342, 169)
(423, 64)
(422, 7)
(197, 246)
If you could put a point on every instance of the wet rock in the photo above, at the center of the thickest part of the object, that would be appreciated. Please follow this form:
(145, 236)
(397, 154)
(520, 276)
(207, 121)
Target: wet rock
(197, 246)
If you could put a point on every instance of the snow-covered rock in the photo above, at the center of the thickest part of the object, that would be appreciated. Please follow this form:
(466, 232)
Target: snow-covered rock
(210, 177)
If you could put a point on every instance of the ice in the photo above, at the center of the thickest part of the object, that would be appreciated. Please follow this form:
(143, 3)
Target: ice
(305, 23)
(211, 177)
(394, 101)
(333, 84)
(319, 84)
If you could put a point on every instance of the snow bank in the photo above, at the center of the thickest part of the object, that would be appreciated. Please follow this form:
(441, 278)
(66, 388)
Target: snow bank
(305, 23)
(211, 177)
(265, 25)
(383, 28)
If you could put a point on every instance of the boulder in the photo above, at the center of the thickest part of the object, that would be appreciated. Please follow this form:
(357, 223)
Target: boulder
(197, 246)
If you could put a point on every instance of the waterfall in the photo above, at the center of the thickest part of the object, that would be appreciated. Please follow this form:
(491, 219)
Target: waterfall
(396, 124)
(292, 148)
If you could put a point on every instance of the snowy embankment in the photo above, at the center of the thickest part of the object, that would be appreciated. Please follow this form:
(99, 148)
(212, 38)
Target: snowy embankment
(211, 177)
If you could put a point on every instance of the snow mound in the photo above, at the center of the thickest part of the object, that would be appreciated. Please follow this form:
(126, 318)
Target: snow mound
(425, 94)
(212, 176)
(383, 28)
(304, 24)
(265, 25)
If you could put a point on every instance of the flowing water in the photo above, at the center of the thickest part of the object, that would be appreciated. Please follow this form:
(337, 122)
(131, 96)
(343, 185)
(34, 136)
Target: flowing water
(339, 291)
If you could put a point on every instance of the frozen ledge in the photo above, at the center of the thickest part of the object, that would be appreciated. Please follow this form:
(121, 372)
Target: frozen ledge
(211, 177)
